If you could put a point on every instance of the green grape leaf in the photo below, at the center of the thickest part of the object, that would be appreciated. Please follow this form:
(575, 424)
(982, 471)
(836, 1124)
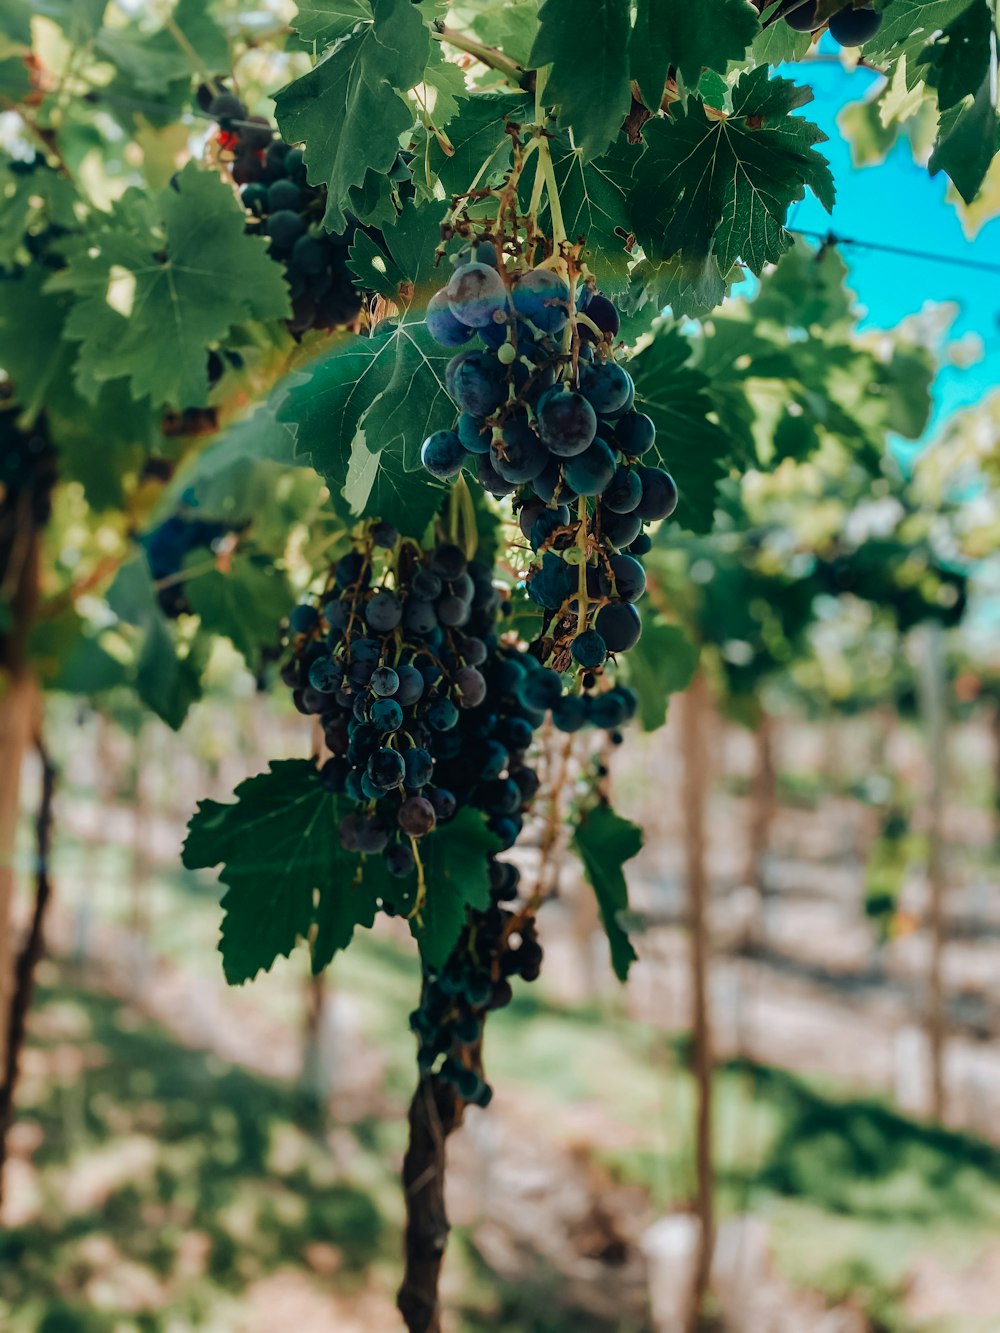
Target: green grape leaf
(349, 110)
(593, 194)
(161, 280)
(166, 669)
(661, 663)
(362, 411)
(411, 241)
(127, 429)
(33, 354)
(149, 60)
(778, 44)
(481, 148)
(455, 860)
(509, 25)
(244, 603)
(589, 75)
(958, 59)
(326, 21)
(442, 93)
(604, 842)
(29, 198)
(907, 27)
(808, 288)
(688, 37)
(967, 142)
(688, 443)
(707, 185)
(691, 290)
(283, 867)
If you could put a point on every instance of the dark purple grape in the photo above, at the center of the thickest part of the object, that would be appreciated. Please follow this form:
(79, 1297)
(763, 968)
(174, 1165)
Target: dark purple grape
(448, 562)
(304, 619)
(442, 325)
(541, 689)
(444, 803)
(399, 859)
(416, 816)
(284, 228)
(385, 536)
(325, 675)
(441, 715)
(801, 15)
(522, 456)
(490, 479)
(566, 421)
(419, 767)
(476, 382)
(623, 492)
(284, 194)
(589, 650)
(854, 27)
(411, 685)
(570, 713)
(475, 294)
(387, 715)
(629, 578)
(384, 612)
(453, 612)
(588, 473)
(227, 108)
(386, 768)
(619, 626)
(659, 494)
(635, 434)
(471, 685)
(384, 682)
(607, 387)
(601, 312)
(419, 617)
(442, 454)
(475, 435)
(541, 296)
(373, 835)
(620, 529)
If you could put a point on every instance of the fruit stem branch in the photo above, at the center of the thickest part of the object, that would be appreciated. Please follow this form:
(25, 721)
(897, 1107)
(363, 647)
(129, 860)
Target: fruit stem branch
(552, 194)
(486, 55)
(195, 60)
(581, 541)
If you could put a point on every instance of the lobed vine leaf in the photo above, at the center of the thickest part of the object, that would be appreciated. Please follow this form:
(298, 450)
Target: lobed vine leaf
(661, 663)
(158, 281)
(689, 38)
(589, 75)
(283, 867)
(709, 185)
(244, 602)
(604, 841)
(689, 443)
(349, 110)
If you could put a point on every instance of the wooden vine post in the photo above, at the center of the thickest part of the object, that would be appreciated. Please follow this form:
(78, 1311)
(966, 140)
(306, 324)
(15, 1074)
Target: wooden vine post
(763, 802)
(695, 722)
(934, 709)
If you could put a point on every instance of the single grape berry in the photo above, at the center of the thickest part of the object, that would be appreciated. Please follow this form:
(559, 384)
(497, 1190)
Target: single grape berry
(590, 472)
(442, 325)
(471, 685)
(399, 859)
(441, 715)
(475, 294)
(419, 767)
(600, 311)
(416, 816)
(623, 492)
(444, 803)
(448, 562)
(386, 769)
(304, 619)
(801, 15)
(570, 713)
(635, 433)
(854, 27)
(476, 382)
(619, 626)
(442, 454)
(628, 575)
(541, 296)
(566, 421)
(384, 612)
(384, 682)
(387, 715)
(589, 649)
(607, 387)
(285, 228)
(659, 494)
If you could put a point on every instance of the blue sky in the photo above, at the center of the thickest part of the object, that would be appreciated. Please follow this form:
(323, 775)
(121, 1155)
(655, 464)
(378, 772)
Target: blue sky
(897, 202)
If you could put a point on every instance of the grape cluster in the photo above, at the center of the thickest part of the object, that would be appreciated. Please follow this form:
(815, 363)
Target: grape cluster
(455, 1001)
(167, 547)
(548, 416)
(288, 211)
(848, 27)
(404, 668)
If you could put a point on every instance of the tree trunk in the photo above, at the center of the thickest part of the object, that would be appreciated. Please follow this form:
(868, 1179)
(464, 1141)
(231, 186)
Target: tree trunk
(435, 1111)
(27, 961)
(932, 699)
(695, 722)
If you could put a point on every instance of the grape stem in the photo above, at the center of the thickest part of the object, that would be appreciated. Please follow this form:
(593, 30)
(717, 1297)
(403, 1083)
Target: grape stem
(421, 898)
(486, 55)
(194, 59)
(552, 193)
(581, 541)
